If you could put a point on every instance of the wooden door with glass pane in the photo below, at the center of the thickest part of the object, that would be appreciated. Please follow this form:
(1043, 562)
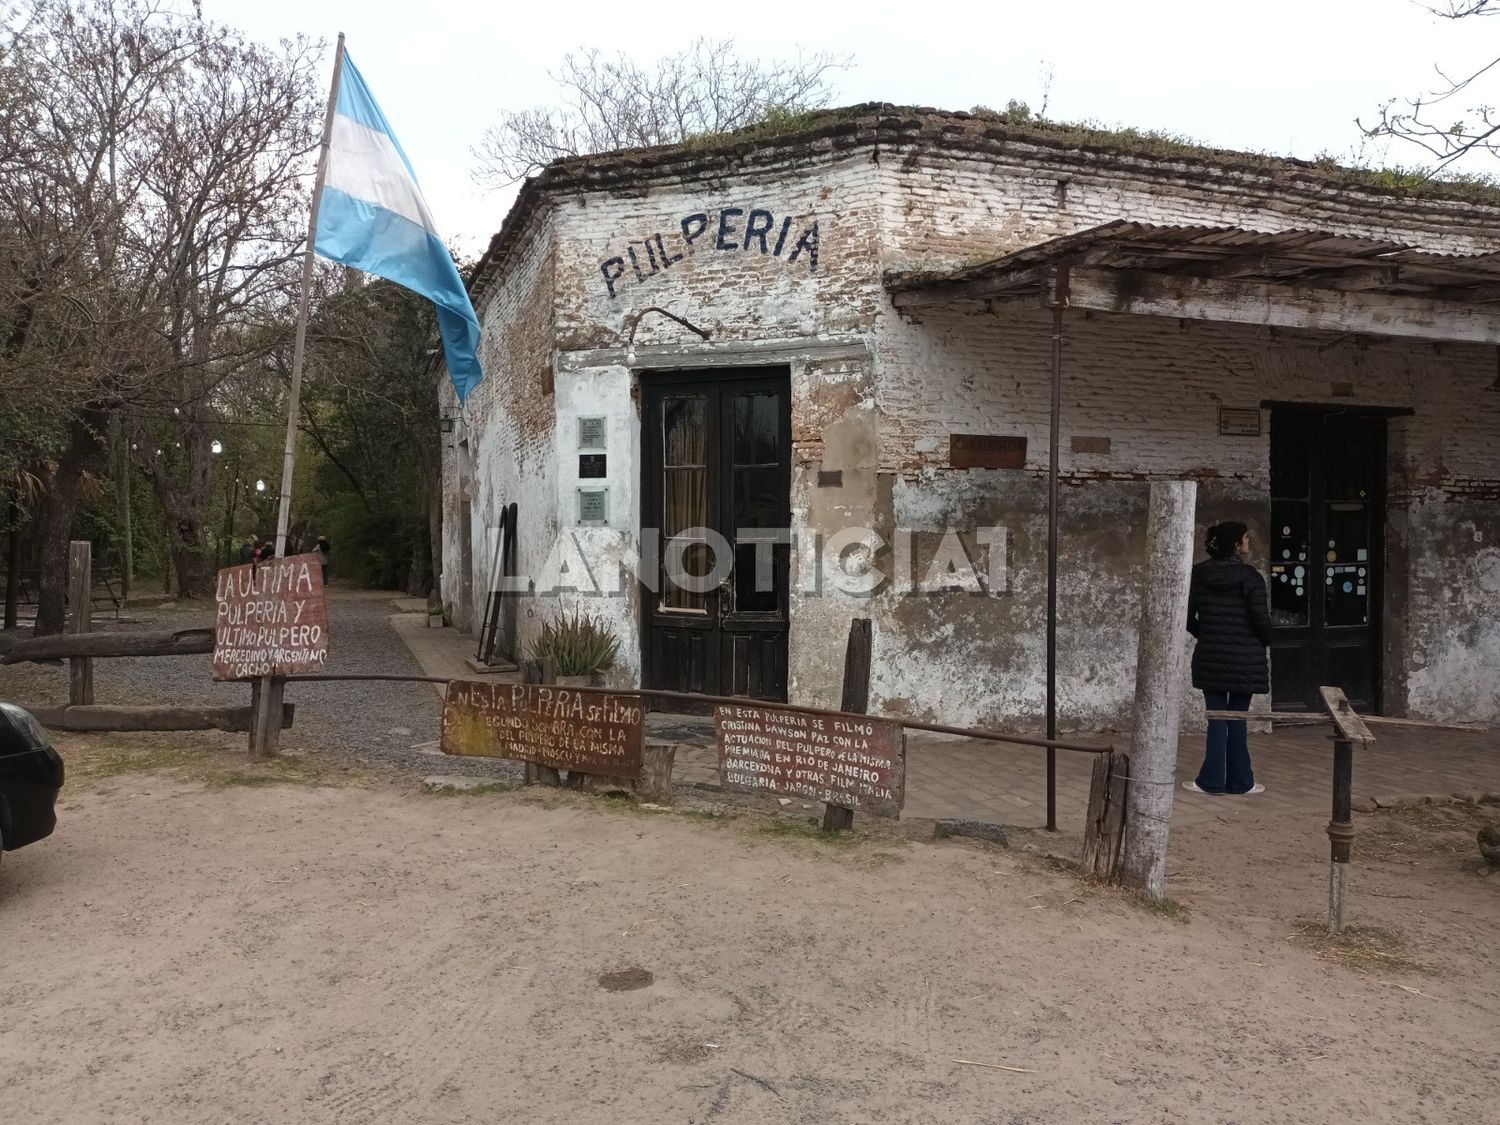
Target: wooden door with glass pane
(717, 448)
(1327, 535)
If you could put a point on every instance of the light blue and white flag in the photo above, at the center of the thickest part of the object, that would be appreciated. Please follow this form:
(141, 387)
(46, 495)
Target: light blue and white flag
(372, 216)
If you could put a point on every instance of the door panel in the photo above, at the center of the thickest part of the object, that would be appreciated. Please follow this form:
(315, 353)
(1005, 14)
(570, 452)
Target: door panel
(718, 457)
(1327, 508)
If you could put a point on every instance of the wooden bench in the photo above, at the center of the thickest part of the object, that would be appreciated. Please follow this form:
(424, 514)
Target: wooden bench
(109, 598)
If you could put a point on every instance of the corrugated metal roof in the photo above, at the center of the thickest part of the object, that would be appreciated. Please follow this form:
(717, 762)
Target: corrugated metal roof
(1304, 257)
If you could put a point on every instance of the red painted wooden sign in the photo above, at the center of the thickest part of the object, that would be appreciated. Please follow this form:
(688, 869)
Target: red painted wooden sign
(271, 620)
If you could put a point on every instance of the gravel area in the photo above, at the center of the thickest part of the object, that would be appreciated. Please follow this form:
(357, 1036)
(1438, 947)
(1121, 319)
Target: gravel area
(371, 722)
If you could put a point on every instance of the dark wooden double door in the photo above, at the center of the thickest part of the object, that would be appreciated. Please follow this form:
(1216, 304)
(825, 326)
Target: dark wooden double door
(715, 503)
(1326, 548)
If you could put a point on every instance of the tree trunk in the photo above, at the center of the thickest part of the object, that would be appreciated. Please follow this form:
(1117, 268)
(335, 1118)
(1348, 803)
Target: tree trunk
(185, 507)
(416, 575)
(1158, 684)
(54, 522)
(12, 563)
(126, 547)
(190, 561)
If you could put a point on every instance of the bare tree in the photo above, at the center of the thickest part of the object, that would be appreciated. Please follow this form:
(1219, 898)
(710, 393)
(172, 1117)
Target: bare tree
(1454, 119)
(614, 102)
(226, 222)
(151, 195)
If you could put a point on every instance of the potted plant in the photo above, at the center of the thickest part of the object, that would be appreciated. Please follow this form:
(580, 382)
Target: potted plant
(581, 648)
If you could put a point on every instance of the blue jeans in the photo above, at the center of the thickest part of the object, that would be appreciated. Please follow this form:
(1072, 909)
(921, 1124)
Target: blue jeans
(1226, 757)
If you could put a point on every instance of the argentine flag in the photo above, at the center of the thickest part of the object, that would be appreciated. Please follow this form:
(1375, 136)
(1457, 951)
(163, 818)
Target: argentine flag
(372, 216)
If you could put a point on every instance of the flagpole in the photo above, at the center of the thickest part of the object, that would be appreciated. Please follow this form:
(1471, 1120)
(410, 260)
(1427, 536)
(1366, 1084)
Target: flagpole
(289, 458)
(265, 718)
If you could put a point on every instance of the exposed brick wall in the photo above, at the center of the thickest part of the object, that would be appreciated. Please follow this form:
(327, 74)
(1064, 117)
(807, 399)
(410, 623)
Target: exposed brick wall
(508, 421)
(945, 208)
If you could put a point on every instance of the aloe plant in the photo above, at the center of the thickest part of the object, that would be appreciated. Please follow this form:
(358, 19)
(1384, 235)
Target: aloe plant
(579, 645)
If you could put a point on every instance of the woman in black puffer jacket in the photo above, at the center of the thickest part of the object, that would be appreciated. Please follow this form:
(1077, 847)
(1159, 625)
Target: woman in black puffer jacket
(1227, 612)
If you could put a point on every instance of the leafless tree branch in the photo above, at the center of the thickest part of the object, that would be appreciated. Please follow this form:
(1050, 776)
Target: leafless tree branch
(613, 102)
(1438, 122)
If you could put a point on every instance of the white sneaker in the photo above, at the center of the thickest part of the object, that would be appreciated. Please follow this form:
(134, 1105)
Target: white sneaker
(1256, 788)
(1192, 787)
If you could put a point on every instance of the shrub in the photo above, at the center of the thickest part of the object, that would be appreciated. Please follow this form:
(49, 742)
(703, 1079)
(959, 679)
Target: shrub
(578, 645)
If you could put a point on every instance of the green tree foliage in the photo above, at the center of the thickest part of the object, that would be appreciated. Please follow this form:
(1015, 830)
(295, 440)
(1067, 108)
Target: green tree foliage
(371, 418)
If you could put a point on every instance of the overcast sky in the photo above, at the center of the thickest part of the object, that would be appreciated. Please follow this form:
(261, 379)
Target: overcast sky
(1281, 76)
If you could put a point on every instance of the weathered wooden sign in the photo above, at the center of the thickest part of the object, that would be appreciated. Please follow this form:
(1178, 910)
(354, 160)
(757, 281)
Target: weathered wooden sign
(847, 760)
(271, 620)
(986, 451)
(579, 731)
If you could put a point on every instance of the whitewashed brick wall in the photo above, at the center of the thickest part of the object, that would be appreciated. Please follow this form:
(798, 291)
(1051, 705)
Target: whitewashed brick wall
(1151, 386)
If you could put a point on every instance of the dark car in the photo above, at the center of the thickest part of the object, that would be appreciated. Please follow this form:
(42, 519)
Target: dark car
(31, 774)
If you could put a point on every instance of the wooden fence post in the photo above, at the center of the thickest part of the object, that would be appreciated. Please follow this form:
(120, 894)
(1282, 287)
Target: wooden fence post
(856, 700)
(655, 784)
(539, 672)
(265, 716)
(1105, 827)
(80, 618)
(1349, 730)
(1158, 683)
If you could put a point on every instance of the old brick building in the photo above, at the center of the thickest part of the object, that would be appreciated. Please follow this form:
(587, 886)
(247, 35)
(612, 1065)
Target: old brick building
(850, 325)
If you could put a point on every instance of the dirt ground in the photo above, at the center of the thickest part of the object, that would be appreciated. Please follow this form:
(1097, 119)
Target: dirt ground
(210, 940)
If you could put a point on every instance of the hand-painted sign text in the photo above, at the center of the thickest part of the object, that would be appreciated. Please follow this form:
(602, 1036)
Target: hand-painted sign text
(730, 228)
(847, 760)
(271, 619)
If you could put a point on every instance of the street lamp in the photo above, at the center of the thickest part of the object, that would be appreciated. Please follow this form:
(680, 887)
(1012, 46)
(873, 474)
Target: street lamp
(260, 486)
(216, 447)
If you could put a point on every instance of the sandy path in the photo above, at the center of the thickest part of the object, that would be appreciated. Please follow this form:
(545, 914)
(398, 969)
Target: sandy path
(191, 952)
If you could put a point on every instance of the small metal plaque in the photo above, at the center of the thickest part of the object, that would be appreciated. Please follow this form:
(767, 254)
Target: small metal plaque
(1237, 421)
(593, 434)
(830, 478)
(591, 466)
(593, 507)
(986, 451)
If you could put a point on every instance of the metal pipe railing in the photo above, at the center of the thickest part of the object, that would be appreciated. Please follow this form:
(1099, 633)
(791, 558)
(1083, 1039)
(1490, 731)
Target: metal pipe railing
(741, 701)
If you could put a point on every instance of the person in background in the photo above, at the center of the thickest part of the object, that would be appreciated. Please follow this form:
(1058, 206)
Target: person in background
(267, 551)
(323, 552)
(1228, 614)
(247, 551)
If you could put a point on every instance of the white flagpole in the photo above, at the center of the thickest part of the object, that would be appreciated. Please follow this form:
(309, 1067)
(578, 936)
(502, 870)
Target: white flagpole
(289, 458)
(265, 718)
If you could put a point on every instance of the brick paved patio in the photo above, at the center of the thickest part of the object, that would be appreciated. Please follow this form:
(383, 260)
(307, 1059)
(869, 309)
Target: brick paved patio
(973, 780)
